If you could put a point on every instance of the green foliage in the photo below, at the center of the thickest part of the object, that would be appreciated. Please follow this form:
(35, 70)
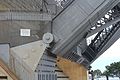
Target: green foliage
(107, 74)
(113, 69)
(97, 73)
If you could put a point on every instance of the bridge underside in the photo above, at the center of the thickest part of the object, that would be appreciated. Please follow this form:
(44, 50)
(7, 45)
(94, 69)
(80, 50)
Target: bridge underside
(68, 47)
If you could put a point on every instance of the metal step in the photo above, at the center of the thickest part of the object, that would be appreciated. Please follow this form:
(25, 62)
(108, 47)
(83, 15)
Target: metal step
(60, 74)
(48, 70)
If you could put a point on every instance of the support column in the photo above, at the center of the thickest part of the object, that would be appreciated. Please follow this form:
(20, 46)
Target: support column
(73, 70)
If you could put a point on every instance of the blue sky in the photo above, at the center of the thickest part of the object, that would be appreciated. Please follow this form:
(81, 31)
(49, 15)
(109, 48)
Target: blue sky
(109, 56)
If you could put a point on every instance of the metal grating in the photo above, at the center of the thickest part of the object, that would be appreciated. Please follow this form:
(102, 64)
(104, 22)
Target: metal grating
(46, 64)
(47, 76)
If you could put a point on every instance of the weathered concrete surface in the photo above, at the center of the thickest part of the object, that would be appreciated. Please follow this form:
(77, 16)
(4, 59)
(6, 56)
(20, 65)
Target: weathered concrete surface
(30, 53)
(25, 58)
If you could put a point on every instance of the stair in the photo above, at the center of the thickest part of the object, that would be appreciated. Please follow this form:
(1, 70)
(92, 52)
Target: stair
(60, 74)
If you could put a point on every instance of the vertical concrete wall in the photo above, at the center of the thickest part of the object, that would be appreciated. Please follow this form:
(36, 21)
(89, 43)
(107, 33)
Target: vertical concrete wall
(20, 68)
(4, 53)
(25, 58)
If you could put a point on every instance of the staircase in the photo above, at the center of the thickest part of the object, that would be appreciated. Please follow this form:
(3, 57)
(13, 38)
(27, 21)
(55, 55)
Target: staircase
(60, 74)
(47, 69)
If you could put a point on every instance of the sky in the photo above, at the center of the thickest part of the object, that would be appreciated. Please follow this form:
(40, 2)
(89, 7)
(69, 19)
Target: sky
(109, 56)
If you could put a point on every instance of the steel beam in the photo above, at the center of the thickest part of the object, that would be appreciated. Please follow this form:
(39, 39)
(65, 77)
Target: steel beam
(24, 16)
(71, 29)
(104, 26)
(109, 43)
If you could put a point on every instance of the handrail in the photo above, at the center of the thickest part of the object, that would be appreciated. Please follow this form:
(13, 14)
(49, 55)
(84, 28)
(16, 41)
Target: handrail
(8, 71)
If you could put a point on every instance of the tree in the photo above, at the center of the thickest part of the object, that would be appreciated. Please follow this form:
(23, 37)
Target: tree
(97, 73)
(94, 73)
(114, 69)
(106, 74)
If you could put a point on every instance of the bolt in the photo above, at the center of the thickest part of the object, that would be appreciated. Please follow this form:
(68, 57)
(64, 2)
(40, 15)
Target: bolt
(47, 38)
